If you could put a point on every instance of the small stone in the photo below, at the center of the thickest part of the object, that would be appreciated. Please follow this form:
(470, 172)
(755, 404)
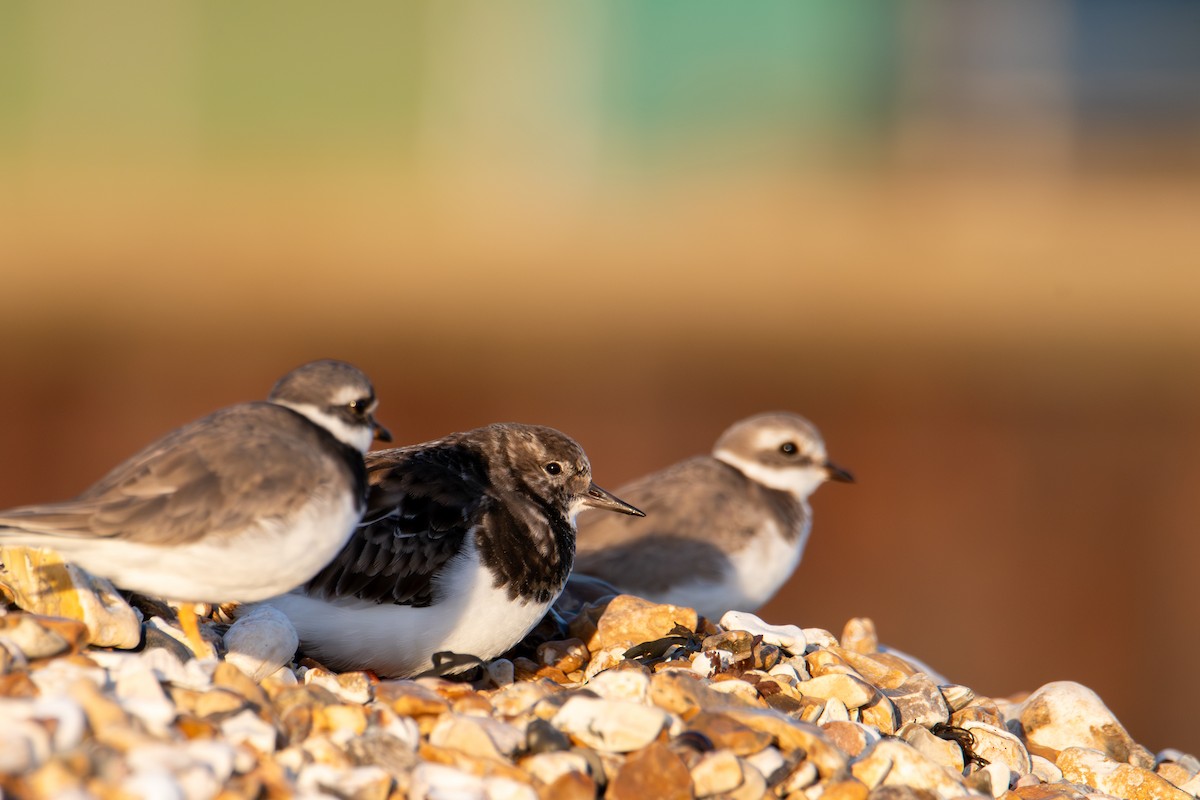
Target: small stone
(902, 765)
(852, 692)
(1045, 769)
(786, 637)
(1054, 791)
(834, 711)
(521, 696)
(725, 732)
(993, 779)
(938, 750)
(687, 695)
(739, 645)
(802, 777)
(792, 735)
(981, 709)
(859, 636)
(29, 635)
(477, 736)
(501, 672)
(261, 641)
(342, 722)
(998, 745)
(604, 659)
(227, 676)
(918, 700)
(769, 761)
(627, 621)
(550, 766)
(1066, 714)
(716, 773)
(881, 715)
(873, 667)
(1095, 768)
(902, 792)
(769, 657)
(140, 694)
(819, 637)
(353, 687)
(566, 654)
(411, 699)
(653, 772)
(824, 661)
(956, 697)
(726, 684)
(852, 738)
(571, 786)
(845, 789)
(248, 728)
(43, 583)
(621, 685)
(610, 725)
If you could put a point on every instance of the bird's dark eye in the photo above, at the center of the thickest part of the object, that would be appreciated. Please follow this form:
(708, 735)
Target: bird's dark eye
(788, 448)
(553, 468)
(360, 407)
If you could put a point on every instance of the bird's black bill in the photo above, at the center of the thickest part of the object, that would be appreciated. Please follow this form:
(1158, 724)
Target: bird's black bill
(600, 498)
(382, 434)
(836, 473)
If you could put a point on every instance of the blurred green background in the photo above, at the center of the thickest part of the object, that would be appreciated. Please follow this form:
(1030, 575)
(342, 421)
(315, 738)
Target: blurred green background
(960, 237)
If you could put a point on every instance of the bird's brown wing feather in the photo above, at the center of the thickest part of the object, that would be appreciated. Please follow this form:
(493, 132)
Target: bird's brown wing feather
(219, 474)
(422, 504)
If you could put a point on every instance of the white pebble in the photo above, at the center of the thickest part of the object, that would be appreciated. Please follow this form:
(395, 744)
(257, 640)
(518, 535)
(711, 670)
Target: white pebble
(610, 725)
(248, 728)
(436, 782)
(787, 637)
(501, 672)
(625, 684)
(261, 641)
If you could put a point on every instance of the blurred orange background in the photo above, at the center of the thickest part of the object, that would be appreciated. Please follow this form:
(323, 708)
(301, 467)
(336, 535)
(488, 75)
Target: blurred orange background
(961, 238)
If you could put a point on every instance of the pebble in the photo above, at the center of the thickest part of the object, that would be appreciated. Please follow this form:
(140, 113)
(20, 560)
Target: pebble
(852, 692)
(896, 763)
(626, 621)
(653, 771)
(999, 746)
(261, 641)
(1067, 714)
(788, 638)
(608, 725)
(42, 583)
(716, 712)
(918, 700)
(1094, 768)
(716, 773)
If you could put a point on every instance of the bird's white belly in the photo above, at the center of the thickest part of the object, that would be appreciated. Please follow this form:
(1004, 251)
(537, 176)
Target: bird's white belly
(753, 575)
(471, 617)
(264, 561)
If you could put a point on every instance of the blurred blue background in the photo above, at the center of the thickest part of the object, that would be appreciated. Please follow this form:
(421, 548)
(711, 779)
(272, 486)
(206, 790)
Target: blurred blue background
(961, 237)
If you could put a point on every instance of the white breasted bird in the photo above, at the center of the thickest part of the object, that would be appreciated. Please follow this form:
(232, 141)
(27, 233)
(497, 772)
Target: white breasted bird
(723, 531)
(240, 505)
(466, 542)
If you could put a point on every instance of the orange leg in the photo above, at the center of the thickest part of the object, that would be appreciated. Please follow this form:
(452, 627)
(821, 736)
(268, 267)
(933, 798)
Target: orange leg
(189, 622)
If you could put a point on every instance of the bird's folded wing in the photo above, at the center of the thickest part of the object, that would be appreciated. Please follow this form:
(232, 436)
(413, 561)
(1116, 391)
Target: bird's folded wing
(422, 504)
(250, 463)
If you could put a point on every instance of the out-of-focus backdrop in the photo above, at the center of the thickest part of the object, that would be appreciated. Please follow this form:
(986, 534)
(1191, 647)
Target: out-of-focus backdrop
(963, 238)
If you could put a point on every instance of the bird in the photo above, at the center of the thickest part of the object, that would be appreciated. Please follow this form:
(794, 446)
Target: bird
(466, 542)
(240, 505)
(723, 531)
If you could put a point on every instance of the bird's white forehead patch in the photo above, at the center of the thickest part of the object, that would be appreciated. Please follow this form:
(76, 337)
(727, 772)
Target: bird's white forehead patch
(772, 438)
(347, 394)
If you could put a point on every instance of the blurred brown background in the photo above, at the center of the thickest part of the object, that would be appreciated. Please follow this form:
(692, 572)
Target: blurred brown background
(962, 238)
